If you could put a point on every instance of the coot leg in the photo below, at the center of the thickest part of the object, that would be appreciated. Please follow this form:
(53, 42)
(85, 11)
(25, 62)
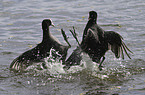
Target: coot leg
(75, 35)
(100, 65)
(65, 37)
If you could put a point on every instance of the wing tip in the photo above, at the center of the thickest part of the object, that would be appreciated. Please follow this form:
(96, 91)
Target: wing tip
(17, 64)
(125, 48)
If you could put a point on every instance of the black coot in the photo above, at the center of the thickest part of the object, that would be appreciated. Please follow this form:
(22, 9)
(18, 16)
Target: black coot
(96, 42)
(41, 51)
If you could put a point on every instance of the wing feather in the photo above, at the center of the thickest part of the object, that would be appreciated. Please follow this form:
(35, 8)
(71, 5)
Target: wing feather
(117, 45)
(126, 51)
(91, 33)
(122, 54)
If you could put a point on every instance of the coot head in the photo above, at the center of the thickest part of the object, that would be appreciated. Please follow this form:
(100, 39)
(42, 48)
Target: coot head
(92, 15)
(46, 23)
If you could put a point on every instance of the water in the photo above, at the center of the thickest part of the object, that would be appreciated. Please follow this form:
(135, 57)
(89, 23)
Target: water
(20, 30)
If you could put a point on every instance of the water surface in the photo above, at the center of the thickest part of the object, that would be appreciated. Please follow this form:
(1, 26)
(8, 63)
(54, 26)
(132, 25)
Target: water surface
(20, 30)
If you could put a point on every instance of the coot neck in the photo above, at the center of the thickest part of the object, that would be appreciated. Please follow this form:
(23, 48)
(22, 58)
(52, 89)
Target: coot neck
(46, 34)
(90, 23)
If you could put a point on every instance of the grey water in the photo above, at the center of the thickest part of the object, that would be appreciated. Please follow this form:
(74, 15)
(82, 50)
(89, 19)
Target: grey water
(20, 30)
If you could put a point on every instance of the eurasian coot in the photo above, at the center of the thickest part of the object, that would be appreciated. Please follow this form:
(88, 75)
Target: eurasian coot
(41, 51)
(96, 42)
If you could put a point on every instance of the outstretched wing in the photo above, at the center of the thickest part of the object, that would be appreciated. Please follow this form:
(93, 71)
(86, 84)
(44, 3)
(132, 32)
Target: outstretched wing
(19, 63)
(116, 44)
(92, 34)
(26, 59)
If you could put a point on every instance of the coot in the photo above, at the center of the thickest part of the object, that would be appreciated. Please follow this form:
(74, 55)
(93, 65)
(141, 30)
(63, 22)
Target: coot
(41, 51)
(96, 42)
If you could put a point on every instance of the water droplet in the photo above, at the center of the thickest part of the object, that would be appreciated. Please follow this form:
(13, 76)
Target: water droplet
(28, 82)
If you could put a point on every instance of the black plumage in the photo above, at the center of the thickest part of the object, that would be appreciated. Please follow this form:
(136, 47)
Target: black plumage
(96, 42)
(41, 51)
(74, 59)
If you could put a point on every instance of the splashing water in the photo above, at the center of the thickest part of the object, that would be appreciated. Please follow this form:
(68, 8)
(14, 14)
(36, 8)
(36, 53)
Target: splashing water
(53, 65)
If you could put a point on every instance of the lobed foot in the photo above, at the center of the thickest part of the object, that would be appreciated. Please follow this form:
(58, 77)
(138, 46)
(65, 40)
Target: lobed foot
(100, 68)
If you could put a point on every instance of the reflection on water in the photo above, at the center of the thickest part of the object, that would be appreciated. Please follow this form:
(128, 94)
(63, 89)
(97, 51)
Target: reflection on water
(20, 30)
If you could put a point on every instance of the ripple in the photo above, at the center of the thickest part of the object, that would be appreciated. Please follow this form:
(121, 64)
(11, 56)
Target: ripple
(20, 28)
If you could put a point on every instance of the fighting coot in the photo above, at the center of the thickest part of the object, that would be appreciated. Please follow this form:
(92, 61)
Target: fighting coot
(41, 51)
(96, 42)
